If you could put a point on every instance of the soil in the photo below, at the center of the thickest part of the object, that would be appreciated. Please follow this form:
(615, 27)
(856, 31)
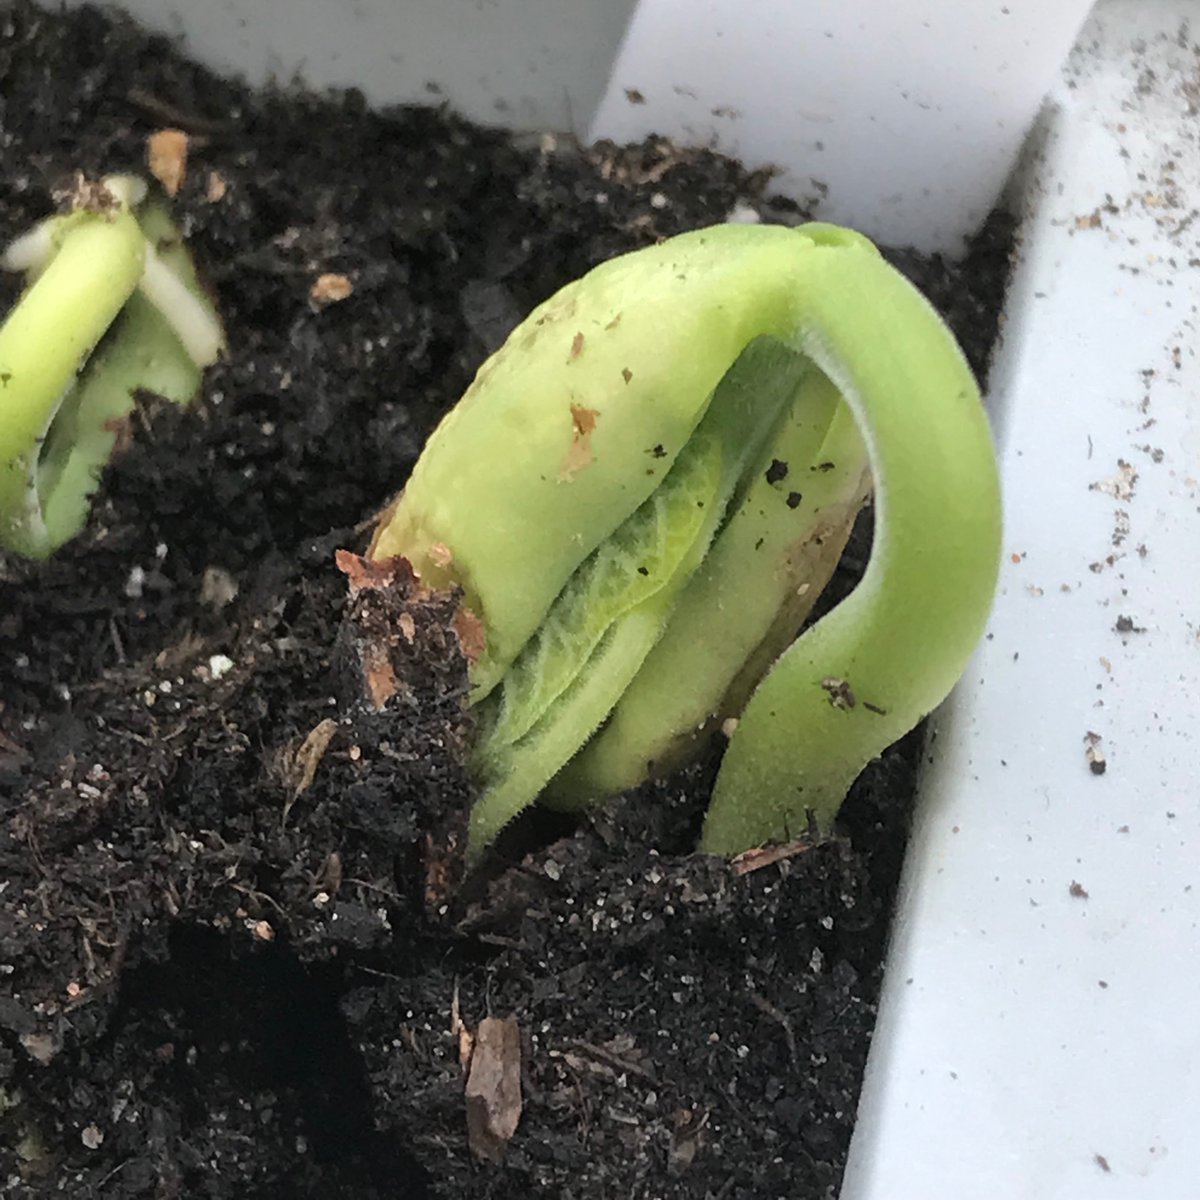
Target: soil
(228, 964)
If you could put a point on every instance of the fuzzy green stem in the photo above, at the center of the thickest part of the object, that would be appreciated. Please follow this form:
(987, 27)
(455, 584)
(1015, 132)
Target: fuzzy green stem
(869, 671)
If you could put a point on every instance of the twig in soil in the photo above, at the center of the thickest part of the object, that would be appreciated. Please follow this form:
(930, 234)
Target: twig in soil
(498, 939)
(373, 887)
(766, 856)
(459, 1030)
(768, 1009)
(254, 894)
(380, 974)
(609, 1059)
(112, 1174)
(116, 641)
(172, 114)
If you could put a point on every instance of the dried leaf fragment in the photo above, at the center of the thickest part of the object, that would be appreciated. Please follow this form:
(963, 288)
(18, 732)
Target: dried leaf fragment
(166, 156)
(308, 757)
(41, 1047)
(493, 1090)
(686, 1140)
(218, 588)
(1096, 761)
(299, 766)
(372, 573)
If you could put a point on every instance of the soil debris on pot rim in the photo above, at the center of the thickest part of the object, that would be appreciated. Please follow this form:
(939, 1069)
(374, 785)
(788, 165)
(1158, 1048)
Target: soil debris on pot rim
(226, 967)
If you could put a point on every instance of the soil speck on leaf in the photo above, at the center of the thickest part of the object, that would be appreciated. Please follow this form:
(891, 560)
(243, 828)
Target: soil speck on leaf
(579, 456)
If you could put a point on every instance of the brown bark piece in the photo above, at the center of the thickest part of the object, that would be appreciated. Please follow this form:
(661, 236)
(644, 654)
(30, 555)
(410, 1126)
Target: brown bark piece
(330, 288)
(166, 156)
(494, 1087)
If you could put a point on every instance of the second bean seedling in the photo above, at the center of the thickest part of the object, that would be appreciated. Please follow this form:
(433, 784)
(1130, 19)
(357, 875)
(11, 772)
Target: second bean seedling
(112, 309)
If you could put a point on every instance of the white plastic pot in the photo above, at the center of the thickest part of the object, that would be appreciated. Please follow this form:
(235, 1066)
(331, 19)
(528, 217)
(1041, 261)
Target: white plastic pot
(1037, 1037)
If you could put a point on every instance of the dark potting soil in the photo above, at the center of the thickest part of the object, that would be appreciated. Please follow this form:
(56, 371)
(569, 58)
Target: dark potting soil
(227, 962)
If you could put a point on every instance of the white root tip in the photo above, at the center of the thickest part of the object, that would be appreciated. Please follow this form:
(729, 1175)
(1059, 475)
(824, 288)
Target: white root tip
(194, 323)
(32, 251)
(128, 190)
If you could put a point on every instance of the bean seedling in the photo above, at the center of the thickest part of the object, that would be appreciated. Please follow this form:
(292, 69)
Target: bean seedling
(111, 308)
(645, 490)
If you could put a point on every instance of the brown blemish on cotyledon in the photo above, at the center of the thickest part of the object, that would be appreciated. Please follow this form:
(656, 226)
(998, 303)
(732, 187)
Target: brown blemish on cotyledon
(579, 454)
